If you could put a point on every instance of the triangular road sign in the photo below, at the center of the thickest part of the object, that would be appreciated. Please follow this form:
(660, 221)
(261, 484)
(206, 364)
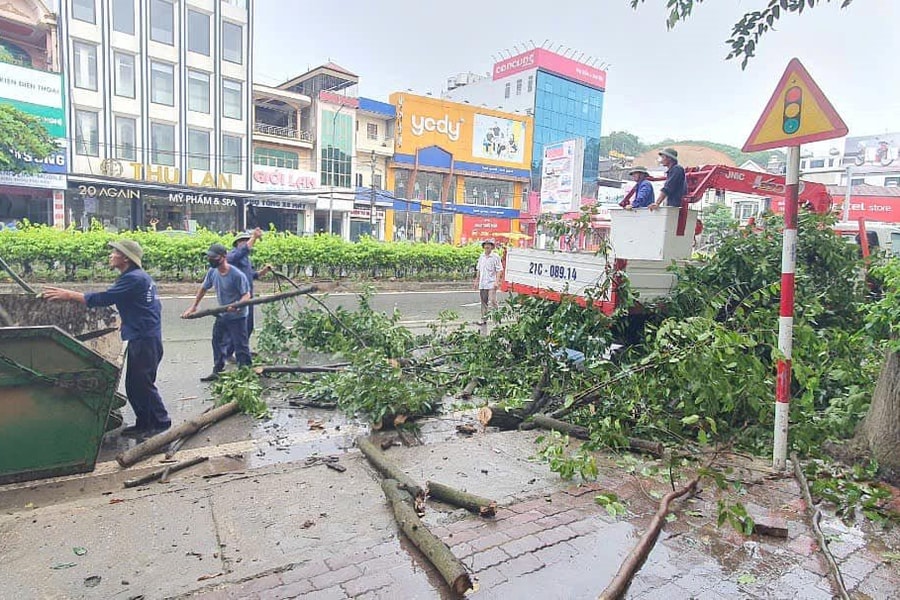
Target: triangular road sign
(797, 113)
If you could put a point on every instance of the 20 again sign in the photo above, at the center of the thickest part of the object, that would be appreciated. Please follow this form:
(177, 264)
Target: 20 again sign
(797, 113)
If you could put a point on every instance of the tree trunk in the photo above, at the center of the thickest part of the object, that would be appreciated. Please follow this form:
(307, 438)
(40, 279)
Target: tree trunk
(880, 430)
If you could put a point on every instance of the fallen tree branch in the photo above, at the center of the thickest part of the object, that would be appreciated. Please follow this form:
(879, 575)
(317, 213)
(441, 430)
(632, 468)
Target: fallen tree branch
(16, 277)
(210, 312)
(635, 559)
(269, 369)
(815, 515)
(482, 507)
(155, 443)
(451, 568)
(387, 468)
(636, 444)
(130, 483)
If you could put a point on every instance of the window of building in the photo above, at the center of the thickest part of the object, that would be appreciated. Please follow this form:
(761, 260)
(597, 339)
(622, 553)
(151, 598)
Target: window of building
(232, 101)
(124, 74)
(198, 149)
(489, 192)
(85, 66)
(231, 154)
(745, 210)
(83, 10)
(818, 163)
(270, 157)
(126, 138)
(830, 162)
(198, 91)
(87, 133)
(506, 90)
(802, 164)
(892, 182)
(336, 139)
(518, 87)
(162, 83)
(232, 42)
(857, 181)
(531, 83)
(376, 180)
(162, 144)
(123, 16)
(372, 131)
(198, 32)
(162, 21)
(359, 180)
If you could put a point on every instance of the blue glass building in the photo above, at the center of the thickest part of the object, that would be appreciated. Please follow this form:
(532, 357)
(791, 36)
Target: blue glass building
(563, 110)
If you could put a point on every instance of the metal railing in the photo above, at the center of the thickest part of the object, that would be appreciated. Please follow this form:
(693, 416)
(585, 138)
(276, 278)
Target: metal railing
(285, 132)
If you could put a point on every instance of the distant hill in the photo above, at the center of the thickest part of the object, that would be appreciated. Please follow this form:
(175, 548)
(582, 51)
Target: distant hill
(689, 155)
(629, 144)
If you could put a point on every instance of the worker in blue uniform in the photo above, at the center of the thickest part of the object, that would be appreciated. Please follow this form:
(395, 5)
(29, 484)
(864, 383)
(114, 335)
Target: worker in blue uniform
(239, 257)
(230, 326)
(643, 192)
(135, 296)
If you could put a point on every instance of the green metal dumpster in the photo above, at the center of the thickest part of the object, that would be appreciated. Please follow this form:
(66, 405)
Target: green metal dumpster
(57, 393)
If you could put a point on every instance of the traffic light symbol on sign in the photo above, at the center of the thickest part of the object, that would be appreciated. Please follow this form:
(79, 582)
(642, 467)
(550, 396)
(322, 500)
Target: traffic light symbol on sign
(793, 99)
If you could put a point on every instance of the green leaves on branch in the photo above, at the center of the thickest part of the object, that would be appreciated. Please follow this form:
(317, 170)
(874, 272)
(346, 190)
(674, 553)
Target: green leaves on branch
(241, 386)
(747, 32)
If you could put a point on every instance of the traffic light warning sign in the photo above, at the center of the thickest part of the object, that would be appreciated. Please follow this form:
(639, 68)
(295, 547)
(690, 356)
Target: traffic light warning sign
(798, 113)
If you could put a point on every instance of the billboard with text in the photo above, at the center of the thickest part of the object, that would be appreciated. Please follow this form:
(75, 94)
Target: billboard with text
(561, 176)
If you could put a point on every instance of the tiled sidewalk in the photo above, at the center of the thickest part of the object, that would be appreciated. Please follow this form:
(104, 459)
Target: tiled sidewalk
(565, 546)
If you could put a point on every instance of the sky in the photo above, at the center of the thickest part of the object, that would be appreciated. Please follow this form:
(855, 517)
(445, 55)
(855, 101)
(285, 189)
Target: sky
(661, 84)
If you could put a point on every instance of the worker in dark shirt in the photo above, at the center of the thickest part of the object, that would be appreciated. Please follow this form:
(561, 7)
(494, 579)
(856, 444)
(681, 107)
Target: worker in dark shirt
(239, 257)
(135, 296)
(230, 327)
(643, 189)
(675, 187)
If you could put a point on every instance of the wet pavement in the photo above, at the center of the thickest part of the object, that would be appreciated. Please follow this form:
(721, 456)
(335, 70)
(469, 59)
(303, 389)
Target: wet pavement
(266, 518)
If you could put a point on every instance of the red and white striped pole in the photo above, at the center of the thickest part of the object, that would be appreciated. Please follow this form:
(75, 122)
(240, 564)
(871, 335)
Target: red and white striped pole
(786, 315)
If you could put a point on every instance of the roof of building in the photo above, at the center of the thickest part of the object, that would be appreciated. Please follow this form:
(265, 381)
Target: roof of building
(688, 155)
(865, 190)
(376, 107)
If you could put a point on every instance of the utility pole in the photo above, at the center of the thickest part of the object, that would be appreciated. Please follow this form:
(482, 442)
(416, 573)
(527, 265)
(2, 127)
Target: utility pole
(372, 197)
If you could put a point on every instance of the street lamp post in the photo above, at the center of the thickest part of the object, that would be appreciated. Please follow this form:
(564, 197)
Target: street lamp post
(372, 196)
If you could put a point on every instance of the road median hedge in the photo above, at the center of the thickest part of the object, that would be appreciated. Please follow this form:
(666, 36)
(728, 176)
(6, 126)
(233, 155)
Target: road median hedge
(40, 252)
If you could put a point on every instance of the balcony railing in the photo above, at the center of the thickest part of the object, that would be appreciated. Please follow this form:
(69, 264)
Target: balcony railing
(284, 132)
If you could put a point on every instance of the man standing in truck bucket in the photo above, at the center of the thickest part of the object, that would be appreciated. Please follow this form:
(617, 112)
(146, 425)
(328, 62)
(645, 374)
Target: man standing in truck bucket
(675, 187)
(487, 278)
(643, 189)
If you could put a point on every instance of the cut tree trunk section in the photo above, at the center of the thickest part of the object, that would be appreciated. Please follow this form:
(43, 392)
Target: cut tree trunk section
(655, 449)
(158, 442)
(387, 468)
(482, 507)
(436, 551)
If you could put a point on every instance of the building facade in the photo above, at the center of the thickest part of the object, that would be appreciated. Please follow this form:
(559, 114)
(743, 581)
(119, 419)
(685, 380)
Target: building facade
(30, 82)
(564, 96)
(459, 173)
(160, 112)
(374, 151)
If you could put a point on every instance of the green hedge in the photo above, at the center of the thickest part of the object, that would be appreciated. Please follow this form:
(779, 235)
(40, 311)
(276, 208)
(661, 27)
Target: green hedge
(41, 252)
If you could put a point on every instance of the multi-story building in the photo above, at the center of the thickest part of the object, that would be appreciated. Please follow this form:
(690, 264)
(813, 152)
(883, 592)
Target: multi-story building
(459, 172)
(30, 81)
(284, 173)
(159, 111)
(564, 95)
(374, 151)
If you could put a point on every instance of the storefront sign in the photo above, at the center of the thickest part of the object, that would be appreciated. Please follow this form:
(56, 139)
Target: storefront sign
(332, 98)
(34, 180)
(285, 203)
(108, 191)
(873, 150)
(59, 209)
(162, 174)
(204, 199)
(482, 228)
(472, 135)
(365, 213)
(561, 176)
(273, 179)
(555, 63)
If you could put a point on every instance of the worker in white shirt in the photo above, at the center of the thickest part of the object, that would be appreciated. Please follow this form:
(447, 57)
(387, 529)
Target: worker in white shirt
(487, 278)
